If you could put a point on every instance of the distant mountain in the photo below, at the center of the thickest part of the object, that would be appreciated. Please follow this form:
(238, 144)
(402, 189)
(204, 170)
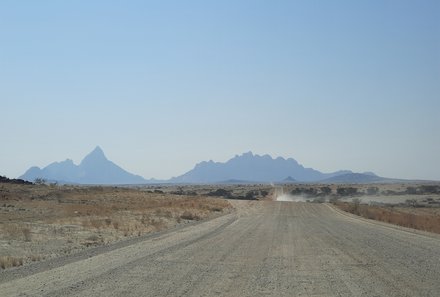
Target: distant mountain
(288, 179)
(355, 178)
(247, 168)
(95, 168)
(235, 182)
(252, 168)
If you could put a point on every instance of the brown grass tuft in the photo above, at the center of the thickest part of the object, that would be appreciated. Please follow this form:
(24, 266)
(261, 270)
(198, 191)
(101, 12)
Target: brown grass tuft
(8, 261)
(17, 231)
(188, 215)
(400, 217)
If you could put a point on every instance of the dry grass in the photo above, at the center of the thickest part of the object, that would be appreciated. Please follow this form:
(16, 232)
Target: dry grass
(43, 220)
(139, 213)
(18, 231)
(8, 261)
(423, 219)
(187, 215)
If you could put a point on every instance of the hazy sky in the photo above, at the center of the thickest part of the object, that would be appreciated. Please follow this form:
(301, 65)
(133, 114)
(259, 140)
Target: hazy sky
(162, 85)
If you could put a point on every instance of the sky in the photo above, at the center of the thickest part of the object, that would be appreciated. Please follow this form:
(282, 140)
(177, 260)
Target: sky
(163, 85)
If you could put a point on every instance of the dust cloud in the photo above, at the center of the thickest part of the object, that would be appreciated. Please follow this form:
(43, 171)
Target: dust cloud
(280, 195)
(291, 198)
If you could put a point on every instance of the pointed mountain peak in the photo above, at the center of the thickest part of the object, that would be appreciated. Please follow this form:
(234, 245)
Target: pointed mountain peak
(97, 151)
(97, 155)
(289, 179)
(95, 168)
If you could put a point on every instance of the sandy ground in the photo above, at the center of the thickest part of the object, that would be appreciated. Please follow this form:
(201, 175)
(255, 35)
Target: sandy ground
(264, 249)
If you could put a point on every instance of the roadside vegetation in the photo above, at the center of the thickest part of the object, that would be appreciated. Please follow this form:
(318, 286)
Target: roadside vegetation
(426, 219)
(40, 221)
(359, 190)
(414, 206)
(418, 206)
(236, 192)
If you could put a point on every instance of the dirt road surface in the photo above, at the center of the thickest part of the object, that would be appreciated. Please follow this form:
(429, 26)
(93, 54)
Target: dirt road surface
(264, 249)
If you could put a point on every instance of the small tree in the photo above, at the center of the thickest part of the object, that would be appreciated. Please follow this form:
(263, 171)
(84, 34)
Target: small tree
(40, 181)
(347, 191)
(326, 190)
(356, 202)
(372, 190)
(411, 202)
(264, 193)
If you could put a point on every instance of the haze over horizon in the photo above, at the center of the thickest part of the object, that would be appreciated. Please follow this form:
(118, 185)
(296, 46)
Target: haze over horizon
(163, 86)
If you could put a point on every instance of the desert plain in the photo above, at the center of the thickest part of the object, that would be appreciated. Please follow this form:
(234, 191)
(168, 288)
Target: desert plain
(220, 240)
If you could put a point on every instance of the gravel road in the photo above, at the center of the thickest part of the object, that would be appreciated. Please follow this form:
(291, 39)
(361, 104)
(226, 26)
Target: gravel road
(263, 249)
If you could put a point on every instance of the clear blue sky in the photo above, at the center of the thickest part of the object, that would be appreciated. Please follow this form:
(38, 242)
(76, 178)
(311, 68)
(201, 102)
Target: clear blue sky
(162, 85)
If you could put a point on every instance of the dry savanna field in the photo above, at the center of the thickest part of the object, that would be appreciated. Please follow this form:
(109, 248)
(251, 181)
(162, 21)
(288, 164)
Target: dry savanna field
(42, 221)
(420, 218)
(48, 221)
(219, 240)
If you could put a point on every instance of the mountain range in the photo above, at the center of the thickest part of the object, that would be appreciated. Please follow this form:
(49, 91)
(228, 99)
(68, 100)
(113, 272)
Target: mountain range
(253, 168)
(95, 168)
